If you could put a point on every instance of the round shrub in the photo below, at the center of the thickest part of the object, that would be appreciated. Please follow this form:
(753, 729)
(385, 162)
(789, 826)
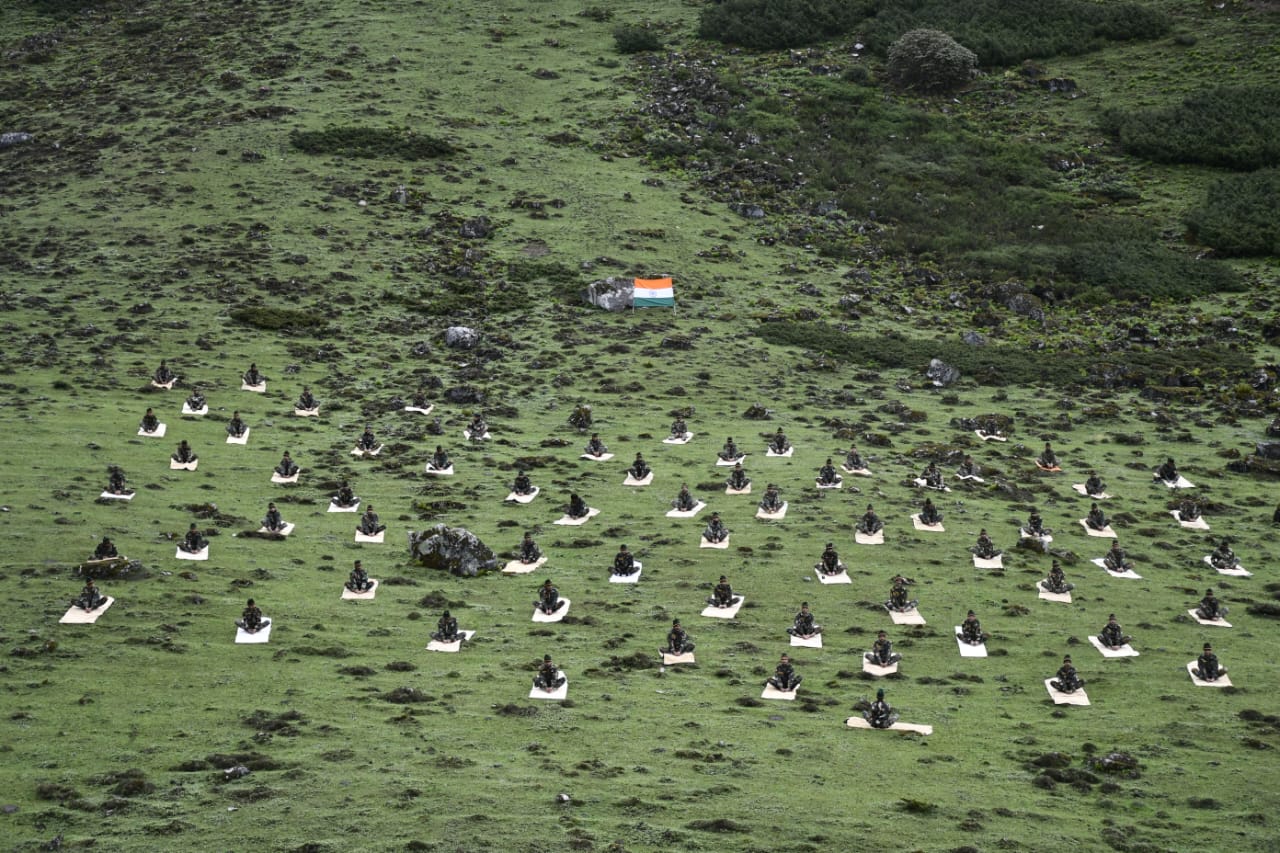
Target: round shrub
(930, 61)
(633, 39)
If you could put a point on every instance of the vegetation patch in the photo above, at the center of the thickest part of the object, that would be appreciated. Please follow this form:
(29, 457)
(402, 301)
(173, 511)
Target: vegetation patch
(371, 142)
(271, 318)
(1238, 215)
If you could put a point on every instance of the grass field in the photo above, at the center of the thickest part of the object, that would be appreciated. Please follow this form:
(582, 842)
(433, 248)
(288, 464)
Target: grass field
(161, 211)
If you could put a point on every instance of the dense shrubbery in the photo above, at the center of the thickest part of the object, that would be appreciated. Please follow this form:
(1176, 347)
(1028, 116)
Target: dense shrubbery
(1233, 126)
(774, 24)
(993, 364)
(280, 319)
(930, 61)
(1005, 32)
(367, 142)
(633, 39)
(1239, 215)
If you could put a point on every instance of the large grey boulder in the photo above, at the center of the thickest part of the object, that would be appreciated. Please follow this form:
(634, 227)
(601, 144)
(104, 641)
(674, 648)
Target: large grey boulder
(453, 549)
(461, 337)
(941, 374)
(611, 294)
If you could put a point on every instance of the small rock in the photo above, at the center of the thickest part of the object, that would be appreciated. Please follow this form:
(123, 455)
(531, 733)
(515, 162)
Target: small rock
(8, 140)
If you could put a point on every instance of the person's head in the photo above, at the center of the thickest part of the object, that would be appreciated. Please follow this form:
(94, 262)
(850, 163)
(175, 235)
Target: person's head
(106, 540)
(369, 508)
(786, 658)
(162, 362)
(971, 614)
(440, 449)
(235, 415)
(723, 578)
(675, 623)
(1208, 648)
(192, 527)
(828, 460)
(880, 693)
(446, 614)
(528, 535)
(804, 607)
(830, 546)
(286, 454)
(982, 532)
(622, 547)
(1066, 659)
(547, 582)
(639, 456)
(881, 635)
(1169, 461)
(1055, 566)
(1208, 593)
(1094, 507)
(251, 602)
(546, 658)
(149, 412)
(368, 428)
(595, 435)
(869, 508)
(88, 582)
(1111, 618)
(715, 516)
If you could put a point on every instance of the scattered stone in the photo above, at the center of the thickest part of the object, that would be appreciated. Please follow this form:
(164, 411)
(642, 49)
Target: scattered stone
(453, 549)
(8, 140)
(941, 374)
(612, 294)
(461, 337)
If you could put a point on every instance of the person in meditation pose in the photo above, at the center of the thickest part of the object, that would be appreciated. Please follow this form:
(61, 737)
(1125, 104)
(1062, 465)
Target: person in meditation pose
(529, 550)
(440, 460)
(778, 443)
(639, 469)
(548, 598)
(236, 427)
(828, 476)
(722, 594)
(624, 563)
(149, 423)
(287, 467)
(1112, 635)
(274, 521)
(106, 550)
(522, 485)
(595, 447)
(252, 376)
(985, 549)
(90, 598)
(880, 715)
(684, 501)
(882, 653)
(968, 468)
(194, 541)
(785, 677)
(1210, 609)
(1093, 487)
(346, 496)
(358, 581)
(870, 522)
(829, 562)
(1168, 471)
(369, 522)
(1188, 510)
(1116, 560)
(898, 600)
(196, 401)
(715, 530)
(1056, 582)
(678, 428)
(577, 507)
(478, 428)
(548, 677)
(367, 440)
(929, 513)
(1067, 679)
(678, 642)
(932, 477)
(804, 626)
(853, 460)
(971, 631)
(447, 629)
(1035, 525)
(772, 501)
(251, 621)
(738, 479)
(307, 402)
(1096, 519)
(163, 375)
(730, 451)
(117, 484)
(1047, 458)
(1223, 557)
(1207, 666)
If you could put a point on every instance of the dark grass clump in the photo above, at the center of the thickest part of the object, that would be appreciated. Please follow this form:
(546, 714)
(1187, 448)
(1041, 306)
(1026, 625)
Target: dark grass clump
(407, 696)
(775, 24)
(370, 142)
(630, 38)
(271, 318)
(1238, 217)
(1237, 127)
(719, 824)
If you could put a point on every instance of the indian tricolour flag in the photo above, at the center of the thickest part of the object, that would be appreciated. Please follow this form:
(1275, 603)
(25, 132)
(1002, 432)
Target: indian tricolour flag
(654, 293)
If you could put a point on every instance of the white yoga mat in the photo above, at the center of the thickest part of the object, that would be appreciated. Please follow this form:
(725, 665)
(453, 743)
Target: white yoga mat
(931, 528)
(987, 436)
(1198, 524)
(375, 539)
(539, 616)
(731, 462)
(562, 692)
(175, 465)
(280, 480)
(838, 484)
(164, 386)
(814, 642)
(687, 513)
(703, 542)
(1027, 534)
(1125, 651)
(841, 576)
(632, 481)
(672, 660)
(787, 452)
(634, 577)
(724, 612)
(440, 472)
(574, 522)
(876, 538)
(969, 478)
(1049, 469)
(284, 531)
(243, 438)
(1080, 489)
(1223, 680)
(126, 496)
(746, 490)
(1215, 623)
(771, 692)
(367, 595)
(77, 615)
(158, 432)
(1101, 563)
(910, 617)
(859, 472)
(515, 567)
(419, 410)
(306, 413)
(996, 562)
(1238, 571)
(455, 646)
(355, 507)
(1060, 597)
(861, 723)
(877, 670)
(923, 484)
(260, 388)
(1104, 533)
(356, 451)
(1059, 698)
(603, 457)
(262, 635)
(200, 412)
(968, 651)
(202, 554)
(1181, 483)
(487, 435)
(681, 440)
(523, 499)
(773, 516)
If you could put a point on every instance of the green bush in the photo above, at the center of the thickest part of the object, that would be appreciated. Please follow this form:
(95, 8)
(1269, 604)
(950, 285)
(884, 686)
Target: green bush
(1233, 126)
(930, 61)
(634, 39)
(1238, 216)
(776, 24)
(367, 142)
